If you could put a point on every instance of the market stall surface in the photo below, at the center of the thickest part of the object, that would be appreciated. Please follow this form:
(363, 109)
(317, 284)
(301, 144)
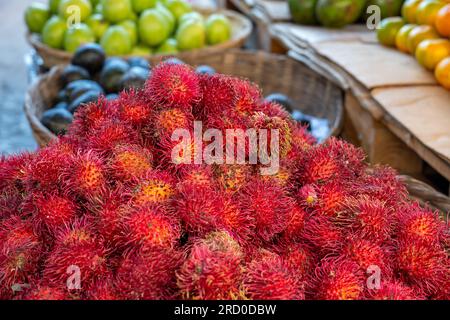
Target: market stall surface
(15, 134)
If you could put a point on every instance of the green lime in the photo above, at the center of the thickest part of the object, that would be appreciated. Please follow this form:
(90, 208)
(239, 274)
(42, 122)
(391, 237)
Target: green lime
(141, 50)
(178, 7)
(78, 35)
(191, 15)
(53, 32)
(54, 6)
(191, 35)
(79, 10)
(36, 15)
(140, 6)
(153, 27)
(170, 46)
(131, 28)
(168, 15)
(115, 11)
(97, 24)
(116, 41)
(218, 29)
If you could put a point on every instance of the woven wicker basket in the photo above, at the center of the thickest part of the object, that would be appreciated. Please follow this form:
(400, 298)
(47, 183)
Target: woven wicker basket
(273, 73)
(241, 30)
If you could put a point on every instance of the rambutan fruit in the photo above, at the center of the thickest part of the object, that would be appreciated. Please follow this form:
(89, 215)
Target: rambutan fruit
(166, 121)
(301, 139)
(219, 95)
(267, 277)
(269, 206)
(337, 280)
(150, 226)
(20, 251)
(174, 85)
(213, 269)
(76, 249)
(296, 223)
(155, 187)
(91, 117)
(369, 218)
(50, 211)
(130, 162)
(420, 224)
(234, 220)
(86, 175)
(111, 134)
(199, 208)
(273, 109)
(13, 169)
(366, 253)
(103, 289)
(199, 175)
(133, 108)
(423, 265)
(393, 290)
(148, 274)
(322, 234)
(232, 177)
(331, 198)
(261, 121)
(298, 258)
(247, 97)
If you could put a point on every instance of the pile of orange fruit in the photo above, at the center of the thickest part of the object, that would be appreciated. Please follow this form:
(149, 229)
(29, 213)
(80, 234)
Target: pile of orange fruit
(423, 30)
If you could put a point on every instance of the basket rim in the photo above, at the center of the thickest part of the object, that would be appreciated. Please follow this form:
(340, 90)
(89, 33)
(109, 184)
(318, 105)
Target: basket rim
(240, 35)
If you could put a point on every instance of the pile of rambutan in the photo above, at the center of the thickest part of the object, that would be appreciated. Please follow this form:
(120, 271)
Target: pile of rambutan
(104, 212)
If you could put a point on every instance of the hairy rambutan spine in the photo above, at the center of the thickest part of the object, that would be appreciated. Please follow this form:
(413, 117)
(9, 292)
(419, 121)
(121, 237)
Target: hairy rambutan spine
(148, 274)
(393, 290)
(213, 269)
(321, 233)
(269, 206)
(133, 108)
(155, 187)
(337, 280)
(174, 85)
(268, 277)
(130, 162)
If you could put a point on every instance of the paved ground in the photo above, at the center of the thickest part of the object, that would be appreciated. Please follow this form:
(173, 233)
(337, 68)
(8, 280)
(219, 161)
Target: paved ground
(15, 134)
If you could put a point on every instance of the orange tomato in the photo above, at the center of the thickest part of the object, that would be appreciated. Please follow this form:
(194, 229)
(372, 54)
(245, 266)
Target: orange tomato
(418, 34)
(442, 73)
(409, 9)
(401, 39)
(442, 22)
(427, 11)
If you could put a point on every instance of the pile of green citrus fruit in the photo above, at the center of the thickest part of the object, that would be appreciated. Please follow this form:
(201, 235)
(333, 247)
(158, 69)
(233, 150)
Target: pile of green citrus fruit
(423, 30)
(126, 27)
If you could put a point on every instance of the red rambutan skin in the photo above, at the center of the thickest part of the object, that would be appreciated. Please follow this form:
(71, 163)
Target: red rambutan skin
(166, 121)
(416, 223)
(337, 280)
(268, 277)
(331, 198)
(151, 226)
(369, 218)
(155, 187)
(273, 109)
(198, 207)
(334, 159)
(130, 162)
(148, 274)
(199, 175)
(133, 108)
(307, 196)
(50, 211)
(111, 134)
(219, 96)
(86, 175)
(298, 258)
(20, 251)
(232, 177)
(213, 269)
(91, 117)
(174, 85)
(423, 265)
(75, 245)
(269, 206)
(296, 224)
(393, 290)
(322, 234)
(366, 253)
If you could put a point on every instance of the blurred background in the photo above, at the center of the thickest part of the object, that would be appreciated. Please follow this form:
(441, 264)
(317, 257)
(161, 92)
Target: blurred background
(15, 133)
